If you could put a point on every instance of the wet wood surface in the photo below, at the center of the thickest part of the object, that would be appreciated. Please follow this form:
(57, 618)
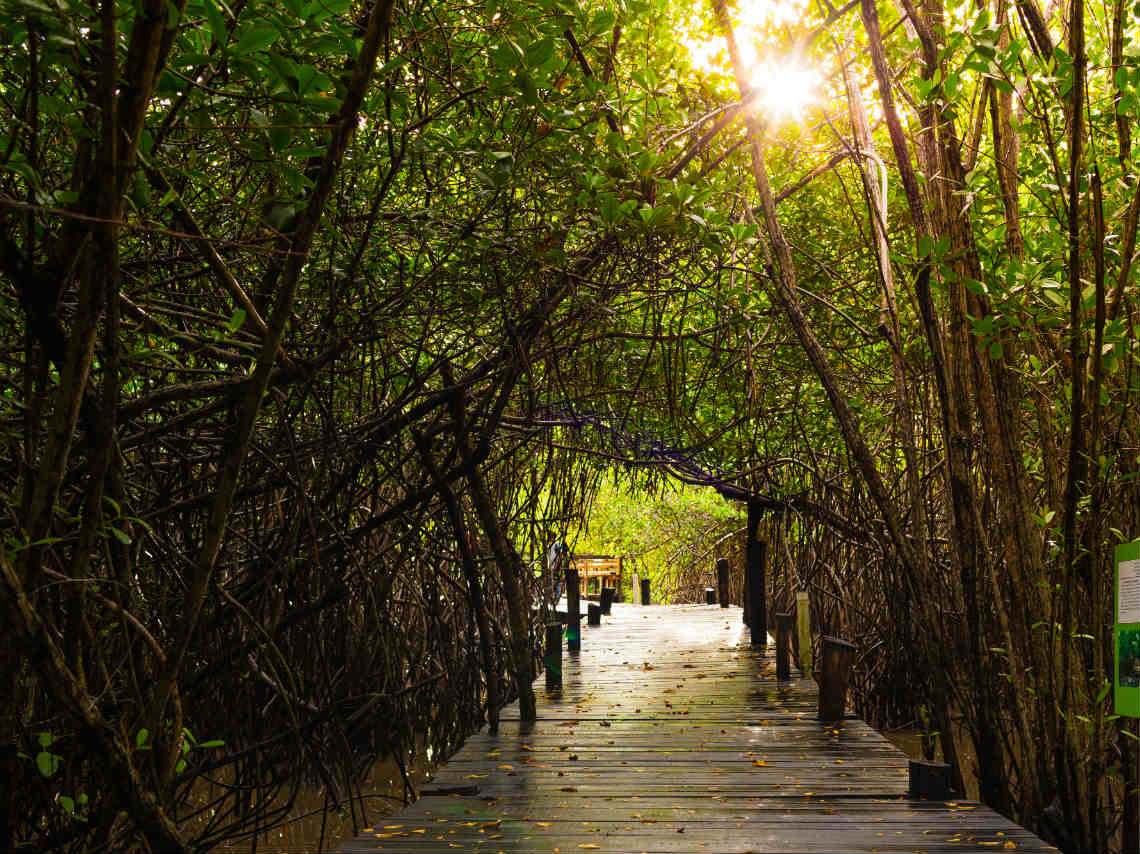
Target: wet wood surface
(671, 734)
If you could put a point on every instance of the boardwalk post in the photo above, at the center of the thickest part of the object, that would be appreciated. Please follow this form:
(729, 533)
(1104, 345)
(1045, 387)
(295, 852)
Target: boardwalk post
(573, 611)
(710, 596)
(607, 600)
(803, 631)
(784, 626)
(722, 581)
(552, 660)
(747, 603)
(593, 614)
(836, 657)
(930, 780)
(619, 594)
(645, 591)
(757, 557)
(757, 619)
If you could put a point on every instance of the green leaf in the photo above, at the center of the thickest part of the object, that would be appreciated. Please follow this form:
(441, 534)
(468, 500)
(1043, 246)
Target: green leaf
(47, 763)
(603, 22)
(1104, 689)
(236, 320)
(122, 536)
(609, 208)
(44, 739)
(539, 53)
(392, 65)
(140, 192)
(505, 56)
(22, 168)
(279, 138)
(280, 217)
(141, 737)
(256, 39)
(206, 745)
(285, 70)
(526, 86)
(34, 7)
(67, 803)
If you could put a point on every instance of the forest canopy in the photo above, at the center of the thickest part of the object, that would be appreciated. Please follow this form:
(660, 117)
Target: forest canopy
(323, 319)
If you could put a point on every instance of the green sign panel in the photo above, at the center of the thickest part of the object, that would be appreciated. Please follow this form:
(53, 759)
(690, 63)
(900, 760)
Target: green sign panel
(1127, 611)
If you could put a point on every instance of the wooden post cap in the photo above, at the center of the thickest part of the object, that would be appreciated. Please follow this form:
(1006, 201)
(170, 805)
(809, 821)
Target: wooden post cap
(930, 780)
(839, 644)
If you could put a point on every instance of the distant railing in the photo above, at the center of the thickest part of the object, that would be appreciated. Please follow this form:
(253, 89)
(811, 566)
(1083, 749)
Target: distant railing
(596, 572)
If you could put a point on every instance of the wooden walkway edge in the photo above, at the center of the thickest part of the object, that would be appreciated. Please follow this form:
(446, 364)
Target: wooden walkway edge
(671, 734)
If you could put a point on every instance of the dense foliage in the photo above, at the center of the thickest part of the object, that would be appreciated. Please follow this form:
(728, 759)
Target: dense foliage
(322, 319)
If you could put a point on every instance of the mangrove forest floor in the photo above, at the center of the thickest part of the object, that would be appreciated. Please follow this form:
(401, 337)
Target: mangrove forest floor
(671, 734)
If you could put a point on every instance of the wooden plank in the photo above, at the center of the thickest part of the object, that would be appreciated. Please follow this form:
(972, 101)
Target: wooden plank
(672, 736)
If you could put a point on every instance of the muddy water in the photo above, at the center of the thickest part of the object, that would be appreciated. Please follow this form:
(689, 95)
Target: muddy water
(314, 825)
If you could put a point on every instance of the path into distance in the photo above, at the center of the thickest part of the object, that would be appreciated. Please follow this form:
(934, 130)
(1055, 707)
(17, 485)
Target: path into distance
(671, 734)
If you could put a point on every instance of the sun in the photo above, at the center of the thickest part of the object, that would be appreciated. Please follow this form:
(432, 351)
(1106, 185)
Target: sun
(783, 89)
(758, 15)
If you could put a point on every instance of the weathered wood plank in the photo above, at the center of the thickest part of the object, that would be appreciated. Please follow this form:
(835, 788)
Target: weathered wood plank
(671, 735)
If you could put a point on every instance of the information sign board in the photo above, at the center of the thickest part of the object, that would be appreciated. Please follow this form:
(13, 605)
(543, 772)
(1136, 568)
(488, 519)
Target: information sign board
(1126, 646)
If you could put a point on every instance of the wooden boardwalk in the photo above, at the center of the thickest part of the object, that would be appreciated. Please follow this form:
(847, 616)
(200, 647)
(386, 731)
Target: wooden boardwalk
(672, 735)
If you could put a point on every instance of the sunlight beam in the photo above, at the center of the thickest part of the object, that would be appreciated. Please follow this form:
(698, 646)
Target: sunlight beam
(783, 89)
